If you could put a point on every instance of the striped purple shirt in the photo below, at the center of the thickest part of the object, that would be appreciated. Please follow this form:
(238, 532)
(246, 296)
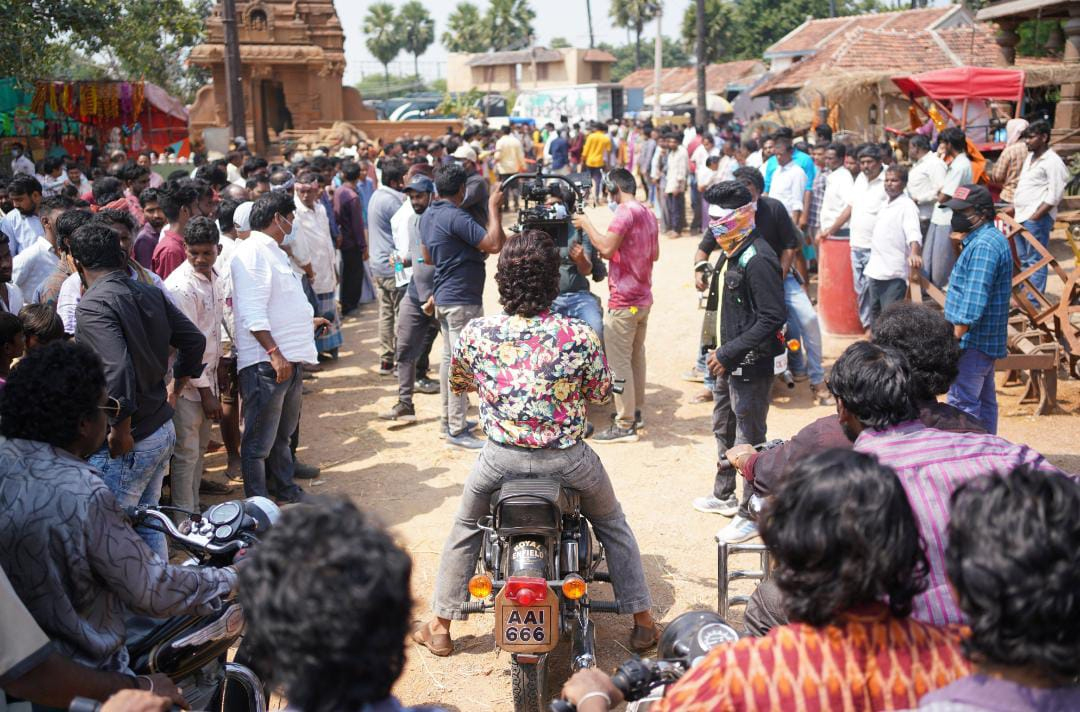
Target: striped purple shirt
(931, 464)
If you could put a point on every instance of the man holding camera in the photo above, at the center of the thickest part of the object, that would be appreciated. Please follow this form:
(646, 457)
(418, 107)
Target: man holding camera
(456, 245)
(632, 245)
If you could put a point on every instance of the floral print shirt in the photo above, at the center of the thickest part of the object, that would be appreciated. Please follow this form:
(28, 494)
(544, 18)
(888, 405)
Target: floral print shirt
(534, 377)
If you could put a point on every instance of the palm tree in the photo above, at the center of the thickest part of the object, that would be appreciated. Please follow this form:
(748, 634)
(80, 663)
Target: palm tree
(382, 41)
(464, 30)
(416, 30)
(509, 24)
(633, 15)
(588, 14)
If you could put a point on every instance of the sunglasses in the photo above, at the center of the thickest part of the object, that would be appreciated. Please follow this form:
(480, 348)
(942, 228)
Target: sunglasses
(111, 407)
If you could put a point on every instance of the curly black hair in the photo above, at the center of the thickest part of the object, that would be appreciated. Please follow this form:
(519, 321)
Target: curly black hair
(96, 245)
(528, 273)
(728, 194)
(66, 225)
(842, 533)
(201, 231)
(874, 384)
(106, 190)
(926, 338)
(1014, 560)
(50, 391)
(327, 600)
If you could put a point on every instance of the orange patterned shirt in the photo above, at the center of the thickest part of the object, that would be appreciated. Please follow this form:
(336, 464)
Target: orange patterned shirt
(869, 661)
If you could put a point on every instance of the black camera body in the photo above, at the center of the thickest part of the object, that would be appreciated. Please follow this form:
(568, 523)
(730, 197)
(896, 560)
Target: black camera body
(535, 214)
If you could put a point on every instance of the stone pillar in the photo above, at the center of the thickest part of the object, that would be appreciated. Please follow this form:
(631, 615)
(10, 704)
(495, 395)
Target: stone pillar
(1007, 39)
(1067, 115)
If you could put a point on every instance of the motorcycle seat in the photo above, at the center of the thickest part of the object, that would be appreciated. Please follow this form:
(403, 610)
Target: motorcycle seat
(531, 505)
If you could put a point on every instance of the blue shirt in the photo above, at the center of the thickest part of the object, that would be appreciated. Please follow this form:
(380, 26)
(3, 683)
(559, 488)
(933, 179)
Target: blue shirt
(451, 236)
(801, 159)
(980, 287)
(328, 203)
(560, 153)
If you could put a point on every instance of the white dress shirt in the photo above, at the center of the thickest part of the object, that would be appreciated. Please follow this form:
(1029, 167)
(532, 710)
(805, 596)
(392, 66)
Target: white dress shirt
(224, 273)
(399, 228)
(21, 230)
(14, 299)
(896, 228)
(837, 196)
(678, 169)
(33, 265)
(22, 164)
(312, 230)
(1042, 180)
(788, 186)
(201, 301)
(268, 296)
(867, 199)
(924, 182)
(958, 174)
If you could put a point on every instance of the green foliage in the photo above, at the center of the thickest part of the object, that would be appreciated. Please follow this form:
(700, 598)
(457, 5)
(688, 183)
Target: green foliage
(718, 26)
(674, 55)
(462, 105)
(416, 30)
(383, 41)
(464, 30)
(375, 86)
(508, 24)
(559, 42)
(438, 85)
(1033, 37)
(127, 39)
(632, 15)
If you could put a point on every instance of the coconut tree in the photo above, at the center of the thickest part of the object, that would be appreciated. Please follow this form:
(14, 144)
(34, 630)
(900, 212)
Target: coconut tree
(464, 29)
(416, 30)
(383, 41)
(509, 24)
(633, 15)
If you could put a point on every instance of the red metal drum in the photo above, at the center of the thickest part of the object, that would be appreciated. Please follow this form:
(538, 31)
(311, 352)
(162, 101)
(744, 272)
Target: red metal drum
(837, 305)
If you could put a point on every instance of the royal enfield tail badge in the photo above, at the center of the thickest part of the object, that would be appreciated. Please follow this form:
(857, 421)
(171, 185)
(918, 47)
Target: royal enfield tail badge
(229, 625)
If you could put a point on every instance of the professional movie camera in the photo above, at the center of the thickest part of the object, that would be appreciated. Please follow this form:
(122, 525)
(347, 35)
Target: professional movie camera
(536, 214)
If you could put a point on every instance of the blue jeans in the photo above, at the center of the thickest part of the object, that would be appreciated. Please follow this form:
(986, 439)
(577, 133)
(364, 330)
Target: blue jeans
(803, 316)
(135, 478)
(1029, 255)
(584, 306)
(710, 380)
(973, 390)
(859, 257)
(271, 414)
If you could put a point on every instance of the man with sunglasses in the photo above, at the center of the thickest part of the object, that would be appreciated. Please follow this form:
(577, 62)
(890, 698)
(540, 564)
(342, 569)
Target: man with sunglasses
(752, 313)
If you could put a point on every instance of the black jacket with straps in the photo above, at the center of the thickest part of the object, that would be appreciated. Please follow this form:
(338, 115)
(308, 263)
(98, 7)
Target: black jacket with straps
(752, 313)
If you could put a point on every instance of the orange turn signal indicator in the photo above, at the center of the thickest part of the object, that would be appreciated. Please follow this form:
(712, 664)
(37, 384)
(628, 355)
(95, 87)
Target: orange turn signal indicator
(480, 586)
(574, 587)
(793, 344)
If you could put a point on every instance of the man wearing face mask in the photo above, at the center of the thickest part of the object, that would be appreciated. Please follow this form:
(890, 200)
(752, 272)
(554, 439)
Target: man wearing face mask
(977, 303)
(752, 312)
(274, 337)
(20, 162)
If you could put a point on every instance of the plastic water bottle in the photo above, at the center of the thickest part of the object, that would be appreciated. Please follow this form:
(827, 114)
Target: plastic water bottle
(399, 269)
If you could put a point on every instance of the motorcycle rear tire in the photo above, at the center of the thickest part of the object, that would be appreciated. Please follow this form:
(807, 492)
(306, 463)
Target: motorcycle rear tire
(529, 685)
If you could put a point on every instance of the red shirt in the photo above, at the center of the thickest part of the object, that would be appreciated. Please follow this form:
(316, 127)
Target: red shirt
(866, 662)
(630, 271)
(168, 254)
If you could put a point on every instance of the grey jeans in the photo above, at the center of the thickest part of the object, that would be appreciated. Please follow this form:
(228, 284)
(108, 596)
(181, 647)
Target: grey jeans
(577, 468)
(452, 319)
(390, 296)
(192, 436)
(416, 331)
(740, 409)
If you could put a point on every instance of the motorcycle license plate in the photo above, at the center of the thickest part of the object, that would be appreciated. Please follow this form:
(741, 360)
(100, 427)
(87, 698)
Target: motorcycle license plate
(527, 629)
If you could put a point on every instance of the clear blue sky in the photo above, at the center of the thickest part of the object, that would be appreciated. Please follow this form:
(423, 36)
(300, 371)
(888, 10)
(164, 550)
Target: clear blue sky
(554, 18)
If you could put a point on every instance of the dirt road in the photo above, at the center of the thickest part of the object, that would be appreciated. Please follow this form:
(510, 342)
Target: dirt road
(412, 481)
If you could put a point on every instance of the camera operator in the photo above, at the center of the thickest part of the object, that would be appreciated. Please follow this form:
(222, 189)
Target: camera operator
(578, 260)
(751, 315)
(849, 568)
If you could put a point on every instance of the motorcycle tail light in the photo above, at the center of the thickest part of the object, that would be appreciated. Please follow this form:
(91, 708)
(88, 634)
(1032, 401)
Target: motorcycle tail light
(525, 590)
(480, 586)
(793, 344)
(574, 587)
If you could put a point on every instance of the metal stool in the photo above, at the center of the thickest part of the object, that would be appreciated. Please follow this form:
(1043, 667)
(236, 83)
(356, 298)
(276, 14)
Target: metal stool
(724, 576)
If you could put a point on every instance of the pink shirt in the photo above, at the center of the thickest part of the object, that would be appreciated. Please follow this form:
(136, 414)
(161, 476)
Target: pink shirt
(630, 272)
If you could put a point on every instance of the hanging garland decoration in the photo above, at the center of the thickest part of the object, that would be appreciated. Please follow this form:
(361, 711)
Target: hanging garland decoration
(73, 109)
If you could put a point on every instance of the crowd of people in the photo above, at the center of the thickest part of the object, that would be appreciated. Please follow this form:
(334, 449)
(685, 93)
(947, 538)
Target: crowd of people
(140, 307)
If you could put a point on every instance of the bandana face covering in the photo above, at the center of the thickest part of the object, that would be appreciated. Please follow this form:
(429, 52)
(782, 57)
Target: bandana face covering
(730, 226)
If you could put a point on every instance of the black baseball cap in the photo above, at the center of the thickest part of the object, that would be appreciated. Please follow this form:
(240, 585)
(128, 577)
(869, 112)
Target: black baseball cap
(421, 184)
(970, 196)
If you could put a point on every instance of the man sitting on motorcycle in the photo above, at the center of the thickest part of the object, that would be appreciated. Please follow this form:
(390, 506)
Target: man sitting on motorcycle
(326, 596)
(850, 568)
(65, 543)
(535, 371)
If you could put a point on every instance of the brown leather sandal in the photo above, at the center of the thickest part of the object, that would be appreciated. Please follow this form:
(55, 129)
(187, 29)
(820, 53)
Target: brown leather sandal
(438, 643)
(642, 638)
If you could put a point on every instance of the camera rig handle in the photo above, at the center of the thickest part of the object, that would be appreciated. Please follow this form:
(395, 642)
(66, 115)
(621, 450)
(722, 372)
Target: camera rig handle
(580, 190)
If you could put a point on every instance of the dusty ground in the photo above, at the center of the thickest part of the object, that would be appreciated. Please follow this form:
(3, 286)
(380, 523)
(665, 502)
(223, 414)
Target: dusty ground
(413, 482)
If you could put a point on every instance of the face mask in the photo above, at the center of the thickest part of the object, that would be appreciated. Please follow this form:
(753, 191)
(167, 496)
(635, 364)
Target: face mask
(960, 222)
(288, 233)
(16, 153)
(731, 227)
(612, 205)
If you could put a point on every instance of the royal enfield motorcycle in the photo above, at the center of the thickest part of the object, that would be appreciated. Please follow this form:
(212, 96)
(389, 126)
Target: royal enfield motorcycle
(191, 649)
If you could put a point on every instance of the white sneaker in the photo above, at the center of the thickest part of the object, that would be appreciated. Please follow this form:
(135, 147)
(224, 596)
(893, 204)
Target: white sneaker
(739, 530)
(714, 505)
